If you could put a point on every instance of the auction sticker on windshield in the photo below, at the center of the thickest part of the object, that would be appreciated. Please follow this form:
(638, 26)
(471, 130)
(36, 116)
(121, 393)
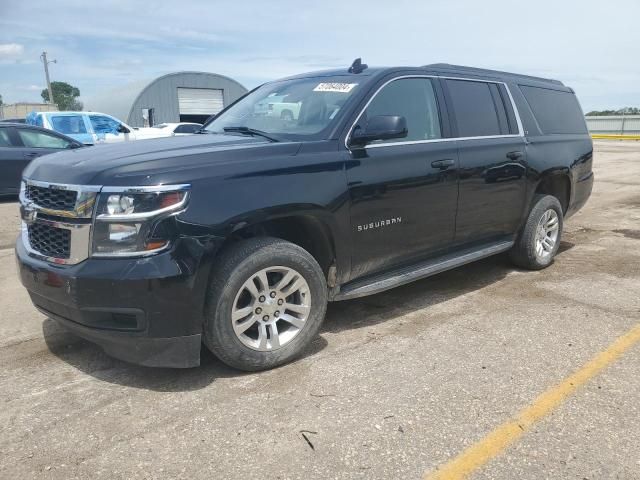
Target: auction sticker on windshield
(335, 87)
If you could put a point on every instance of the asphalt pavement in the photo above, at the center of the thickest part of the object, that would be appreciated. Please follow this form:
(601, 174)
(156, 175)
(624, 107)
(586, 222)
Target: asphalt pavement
(396, 386)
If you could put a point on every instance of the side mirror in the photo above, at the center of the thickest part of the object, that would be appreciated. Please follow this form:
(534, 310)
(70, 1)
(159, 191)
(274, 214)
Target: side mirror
(123, 129)
(380, 127)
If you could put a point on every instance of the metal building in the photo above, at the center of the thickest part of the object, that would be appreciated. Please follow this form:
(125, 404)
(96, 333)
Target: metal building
(614, 124)
(21, 110)
(175, 97)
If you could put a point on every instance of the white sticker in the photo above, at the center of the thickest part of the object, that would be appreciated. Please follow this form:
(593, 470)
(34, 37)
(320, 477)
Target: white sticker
(335, 87)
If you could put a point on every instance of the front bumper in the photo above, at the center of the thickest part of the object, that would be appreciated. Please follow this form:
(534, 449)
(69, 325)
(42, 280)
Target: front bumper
(147, 311)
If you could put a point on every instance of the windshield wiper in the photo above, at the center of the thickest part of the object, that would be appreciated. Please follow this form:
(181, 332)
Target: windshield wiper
(251, 131)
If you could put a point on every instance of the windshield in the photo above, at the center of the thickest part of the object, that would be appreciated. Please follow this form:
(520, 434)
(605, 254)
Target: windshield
(290, 108)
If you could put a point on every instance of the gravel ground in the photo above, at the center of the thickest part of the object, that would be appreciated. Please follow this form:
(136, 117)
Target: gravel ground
(395, 385)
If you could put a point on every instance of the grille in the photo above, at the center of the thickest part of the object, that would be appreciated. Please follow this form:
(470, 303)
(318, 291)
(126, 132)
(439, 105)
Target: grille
(51, 197)
(50, 241)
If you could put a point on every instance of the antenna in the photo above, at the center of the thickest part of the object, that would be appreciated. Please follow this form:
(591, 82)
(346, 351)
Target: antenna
(357, 66)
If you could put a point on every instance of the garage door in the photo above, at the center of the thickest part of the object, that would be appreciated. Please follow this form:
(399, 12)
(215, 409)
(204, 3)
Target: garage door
(200, 101)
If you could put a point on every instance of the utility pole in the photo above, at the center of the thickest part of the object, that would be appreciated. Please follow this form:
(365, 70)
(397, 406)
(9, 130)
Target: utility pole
(46, 73)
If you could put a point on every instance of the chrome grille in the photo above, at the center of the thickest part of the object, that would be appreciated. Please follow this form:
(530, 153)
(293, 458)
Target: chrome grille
(56, 220)
(49, 240)
(51, 198)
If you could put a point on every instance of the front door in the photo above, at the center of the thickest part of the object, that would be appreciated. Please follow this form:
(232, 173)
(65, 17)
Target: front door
(403, 192)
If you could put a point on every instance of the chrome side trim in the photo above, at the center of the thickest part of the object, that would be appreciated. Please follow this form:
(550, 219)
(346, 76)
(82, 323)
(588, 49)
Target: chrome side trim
(438, 140)
(434, 140)
(422, 270)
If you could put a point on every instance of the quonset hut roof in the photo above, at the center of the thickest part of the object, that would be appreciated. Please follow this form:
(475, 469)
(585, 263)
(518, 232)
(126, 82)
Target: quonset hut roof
(121, 102)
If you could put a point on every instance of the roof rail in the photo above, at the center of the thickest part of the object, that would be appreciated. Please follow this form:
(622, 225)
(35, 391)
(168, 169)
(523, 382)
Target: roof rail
(484, 71)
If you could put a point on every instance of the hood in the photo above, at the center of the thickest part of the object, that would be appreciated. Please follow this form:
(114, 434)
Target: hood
(149, 162)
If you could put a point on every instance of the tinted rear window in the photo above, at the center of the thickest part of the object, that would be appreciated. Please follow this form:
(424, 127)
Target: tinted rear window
(474, 108)
(555, 111)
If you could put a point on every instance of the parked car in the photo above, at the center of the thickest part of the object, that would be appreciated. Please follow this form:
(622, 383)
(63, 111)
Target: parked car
(238, 237)
(173, 129)
(19, 144)
(90, 128)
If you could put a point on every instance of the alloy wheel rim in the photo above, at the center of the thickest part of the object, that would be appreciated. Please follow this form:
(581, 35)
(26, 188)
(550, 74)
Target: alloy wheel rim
(547, 234)
(271, 308)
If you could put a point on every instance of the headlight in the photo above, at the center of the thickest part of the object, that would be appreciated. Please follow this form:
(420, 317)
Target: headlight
(129, 221)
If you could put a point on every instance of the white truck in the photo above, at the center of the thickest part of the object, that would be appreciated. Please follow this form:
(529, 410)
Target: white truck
(92, 128)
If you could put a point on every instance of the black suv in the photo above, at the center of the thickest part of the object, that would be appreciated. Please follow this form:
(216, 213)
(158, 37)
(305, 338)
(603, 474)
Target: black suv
(320, 187)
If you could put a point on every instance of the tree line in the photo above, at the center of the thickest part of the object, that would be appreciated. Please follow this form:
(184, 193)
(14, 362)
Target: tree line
(64, 95)
(621, 111)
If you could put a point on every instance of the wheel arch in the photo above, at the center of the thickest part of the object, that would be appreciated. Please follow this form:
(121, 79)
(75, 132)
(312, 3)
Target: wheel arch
(557, 184)
(310, 231)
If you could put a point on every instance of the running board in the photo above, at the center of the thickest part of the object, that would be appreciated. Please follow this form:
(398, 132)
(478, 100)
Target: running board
(395, 278)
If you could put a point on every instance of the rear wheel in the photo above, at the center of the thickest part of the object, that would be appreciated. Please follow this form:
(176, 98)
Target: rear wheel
(266, 302)
(539, 240)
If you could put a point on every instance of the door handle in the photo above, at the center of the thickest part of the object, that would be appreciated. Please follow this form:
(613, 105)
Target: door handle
(31, 154)
(515, 155)
(443, 164)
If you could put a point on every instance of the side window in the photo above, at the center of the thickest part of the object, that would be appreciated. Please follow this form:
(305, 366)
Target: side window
(4, 138)
(474, 108)
(68, 124)
(39, 121)
(412, 98)
(556, 111)
(35, 139)
(103, 124)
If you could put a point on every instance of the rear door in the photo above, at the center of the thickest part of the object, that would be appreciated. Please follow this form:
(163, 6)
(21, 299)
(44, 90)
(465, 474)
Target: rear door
(403, 191)
(492, 156)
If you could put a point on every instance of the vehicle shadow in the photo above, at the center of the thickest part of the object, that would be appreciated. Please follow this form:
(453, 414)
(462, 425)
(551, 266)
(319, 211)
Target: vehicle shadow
(91, 359)
(347, 315)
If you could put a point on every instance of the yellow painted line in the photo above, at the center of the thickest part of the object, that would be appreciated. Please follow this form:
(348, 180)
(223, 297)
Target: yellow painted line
(499, 439)
(615, 137)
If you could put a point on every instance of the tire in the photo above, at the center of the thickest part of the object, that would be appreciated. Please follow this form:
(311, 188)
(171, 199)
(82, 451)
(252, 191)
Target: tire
(533, 250)
(247, 328)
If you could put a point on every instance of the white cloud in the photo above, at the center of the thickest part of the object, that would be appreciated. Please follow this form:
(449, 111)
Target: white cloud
(11, 50)
(253, 42)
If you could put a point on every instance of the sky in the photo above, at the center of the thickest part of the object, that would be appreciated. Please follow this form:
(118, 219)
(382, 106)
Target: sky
(592, 46)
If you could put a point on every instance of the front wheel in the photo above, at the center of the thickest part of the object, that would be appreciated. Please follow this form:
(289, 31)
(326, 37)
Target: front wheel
(539, 240)
(266, 302)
